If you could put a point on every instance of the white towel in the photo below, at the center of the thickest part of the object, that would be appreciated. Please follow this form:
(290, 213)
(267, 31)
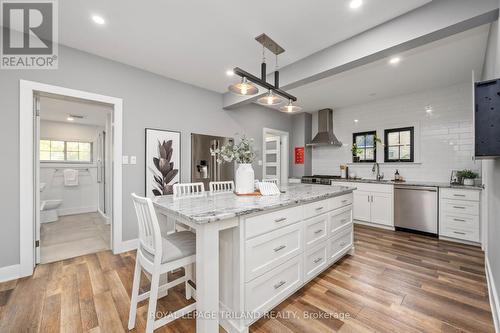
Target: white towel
(70, 177)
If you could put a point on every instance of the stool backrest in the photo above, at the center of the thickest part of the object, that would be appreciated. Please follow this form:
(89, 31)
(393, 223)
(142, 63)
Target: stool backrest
(149, 229)
(188, 189)
(226, 186)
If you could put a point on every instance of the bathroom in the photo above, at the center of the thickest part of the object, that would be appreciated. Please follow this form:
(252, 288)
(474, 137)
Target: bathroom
(75, 196)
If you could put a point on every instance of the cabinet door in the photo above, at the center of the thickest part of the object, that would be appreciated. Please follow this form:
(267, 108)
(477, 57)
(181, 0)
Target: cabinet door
(361, 206)
(381, 208)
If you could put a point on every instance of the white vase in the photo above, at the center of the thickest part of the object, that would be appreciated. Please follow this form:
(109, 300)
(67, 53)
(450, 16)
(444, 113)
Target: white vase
(468, 182)
(245, 178)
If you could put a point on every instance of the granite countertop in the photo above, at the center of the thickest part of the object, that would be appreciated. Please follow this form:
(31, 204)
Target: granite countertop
(411, 183)
(207, 207)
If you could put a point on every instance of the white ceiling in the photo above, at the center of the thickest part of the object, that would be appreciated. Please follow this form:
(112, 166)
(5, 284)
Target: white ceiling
(58, 109)
(441, 63)
(196, 41)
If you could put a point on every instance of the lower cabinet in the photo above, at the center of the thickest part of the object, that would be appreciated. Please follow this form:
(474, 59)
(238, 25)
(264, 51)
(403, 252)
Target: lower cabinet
(459, 214)
(373, 203)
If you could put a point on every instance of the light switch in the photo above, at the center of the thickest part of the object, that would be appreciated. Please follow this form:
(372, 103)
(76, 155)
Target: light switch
(259, 162)
(124, 159)
(133, 159)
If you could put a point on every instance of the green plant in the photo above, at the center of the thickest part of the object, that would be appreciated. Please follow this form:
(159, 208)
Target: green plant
(241, 153)
(467, 174)
(355, 150)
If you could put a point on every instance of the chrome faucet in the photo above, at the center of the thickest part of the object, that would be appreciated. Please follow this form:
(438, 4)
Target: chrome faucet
(376, 167)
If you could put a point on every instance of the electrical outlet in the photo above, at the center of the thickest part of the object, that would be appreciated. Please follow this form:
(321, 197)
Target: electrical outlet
(124, 159)
(133, 159)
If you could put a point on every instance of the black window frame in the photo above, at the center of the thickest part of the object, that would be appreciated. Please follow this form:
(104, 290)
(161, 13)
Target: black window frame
(411, 129)
(374, 133)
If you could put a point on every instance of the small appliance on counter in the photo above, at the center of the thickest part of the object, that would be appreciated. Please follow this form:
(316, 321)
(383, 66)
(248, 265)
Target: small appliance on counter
(454, 178)
(344, 171)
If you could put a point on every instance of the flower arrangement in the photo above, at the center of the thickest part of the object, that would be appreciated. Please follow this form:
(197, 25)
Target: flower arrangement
(240, 153)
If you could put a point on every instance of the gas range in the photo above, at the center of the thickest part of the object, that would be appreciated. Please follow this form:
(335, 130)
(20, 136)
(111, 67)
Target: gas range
(319, 179)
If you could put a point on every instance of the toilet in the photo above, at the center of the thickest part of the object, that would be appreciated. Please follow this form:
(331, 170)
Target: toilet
(48, 208)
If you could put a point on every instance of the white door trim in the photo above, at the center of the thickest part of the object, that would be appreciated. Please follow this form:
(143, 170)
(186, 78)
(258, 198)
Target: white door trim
(285, 158)
(26, 160)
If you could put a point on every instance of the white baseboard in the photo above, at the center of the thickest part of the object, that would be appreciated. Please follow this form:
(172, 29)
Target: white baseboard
(126, 246)
(76, 210)
(104, 216)
(493, 295)
(8, 273)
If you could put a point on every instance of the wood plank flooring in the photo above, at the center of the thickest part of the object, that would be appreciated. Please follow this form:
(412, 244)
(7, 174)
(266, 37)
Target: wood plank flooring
(395, 282)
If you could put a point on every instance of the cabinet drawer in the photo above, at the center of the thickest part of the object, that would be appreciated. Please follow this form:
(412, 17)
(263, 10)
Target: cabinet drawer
(316, 230)
(266, 252)
(339, 244)
(316, 208)
(268, 290)
(463, 234)
(341, 201)
(261, 224)
(451, 193)
(460, 207)
(460, 221)
(339, 218)
(315, 260)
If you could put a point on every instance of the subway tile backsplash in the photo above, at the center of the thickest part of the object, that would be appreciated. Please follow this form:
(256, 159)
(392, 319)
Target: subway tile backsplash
(443, 138)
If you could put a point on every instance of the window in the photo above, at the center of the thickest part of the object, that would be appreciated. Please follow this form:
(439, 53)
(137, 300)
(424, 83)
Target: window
(366, 146)
(399, 145)
(65, 151)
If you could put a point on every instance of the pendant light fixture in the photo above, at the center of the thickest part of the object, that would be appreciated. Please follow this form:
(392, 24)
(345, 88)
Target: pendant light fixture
(247, 88)
(244, 88)
(289, 108)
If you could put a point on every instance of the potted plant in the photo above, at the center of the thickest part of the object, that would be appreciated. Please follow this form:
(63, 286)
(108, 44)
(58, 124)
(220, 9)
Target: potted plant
(243, 154)
(468, 176)
(355, 151)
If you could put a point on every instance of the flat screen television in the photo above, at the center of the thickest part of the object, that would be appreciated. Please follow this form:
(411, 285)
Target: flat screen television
(487, 119)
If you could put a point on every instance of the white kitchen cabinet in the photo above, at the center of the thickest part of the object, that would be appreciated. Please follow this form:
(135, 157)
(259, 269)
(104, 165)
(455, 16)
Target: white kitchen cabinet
(361, 205)
(373, 203)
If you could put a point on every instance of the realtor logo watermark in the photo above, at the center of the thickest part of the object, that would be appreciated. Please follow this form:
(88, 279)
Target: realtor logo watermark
(29, 34)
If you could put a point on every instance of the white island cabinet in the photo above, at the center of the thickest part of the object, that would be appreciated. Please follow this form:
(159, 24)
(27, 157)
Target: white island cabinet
(254, 252)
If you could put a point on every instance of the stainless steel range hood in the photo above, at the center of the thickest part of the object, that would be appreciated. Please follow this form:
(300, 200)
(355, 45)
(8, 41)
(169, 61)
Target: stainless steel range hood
(325, 136)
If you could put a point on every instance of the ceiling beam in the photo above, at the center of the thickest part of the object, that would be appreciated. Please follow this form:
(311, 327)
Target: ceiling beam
(434, 21)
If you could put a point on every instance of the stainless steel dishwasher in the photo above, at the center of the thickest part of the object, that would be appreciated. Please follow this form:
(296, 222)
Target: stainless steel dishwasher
(416, 208)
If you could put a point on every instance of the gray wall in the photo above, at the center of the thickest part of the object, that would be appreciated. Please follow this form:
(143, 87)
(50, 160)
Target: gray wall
(149, 100)
(301, 135)
(491, 168)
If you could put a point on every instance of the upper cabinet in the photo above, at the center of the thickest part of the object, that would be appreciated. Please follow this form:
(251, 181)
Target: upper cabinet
(487, 119)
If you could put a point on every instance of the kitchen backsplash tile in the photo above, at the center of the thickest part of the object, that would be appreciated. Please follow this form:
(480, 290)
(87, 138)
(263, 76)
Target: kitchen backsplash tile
(443, 139)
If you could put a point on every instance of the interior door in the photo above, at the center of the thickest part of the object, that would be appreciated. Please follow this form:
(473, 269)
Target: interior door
(361, 206)
(381, 208)
(272, 158)
(36, 175)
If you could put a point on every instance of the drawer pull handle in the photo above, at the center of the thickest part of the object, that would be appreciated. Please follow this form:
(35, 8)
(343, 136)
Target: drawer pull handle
(280, 220)
(318, 231)
(459, 195)
(319, 208)
(344, 201)
(344, 221)
(279, 248)
(317, 260)
(459, 233)
(279, 284)
(459, 207)
(459, 220)
(343, 244)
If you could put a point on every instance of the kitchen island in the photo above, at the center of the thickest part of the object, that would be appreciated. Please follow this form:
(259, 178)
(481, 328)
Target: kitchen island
(254, 252)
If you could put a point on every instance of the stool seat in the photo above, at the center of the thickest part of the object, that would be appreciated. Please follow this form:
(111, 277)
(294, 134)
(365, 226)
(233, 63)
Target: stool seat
(175, 246)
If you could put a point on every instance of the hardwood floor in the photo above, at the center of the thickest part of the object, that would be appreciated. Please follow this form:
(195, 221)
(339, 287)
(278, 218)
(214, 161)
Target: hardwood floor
(395, 282)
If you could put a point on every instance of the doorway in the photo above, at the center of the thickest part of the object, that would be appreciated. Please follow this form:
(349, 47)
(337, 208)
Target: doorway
(30, 153)
(71, 160)
(275, 152)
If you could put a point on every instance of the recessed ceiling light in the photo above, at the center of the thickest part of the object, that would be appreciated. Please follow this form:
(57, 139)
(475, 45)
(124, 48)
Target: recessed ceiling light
(354, 4)
(70, 118)
(395, 60)
(356, 120)
(98, 19)
(428, 109)
(229, 72)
